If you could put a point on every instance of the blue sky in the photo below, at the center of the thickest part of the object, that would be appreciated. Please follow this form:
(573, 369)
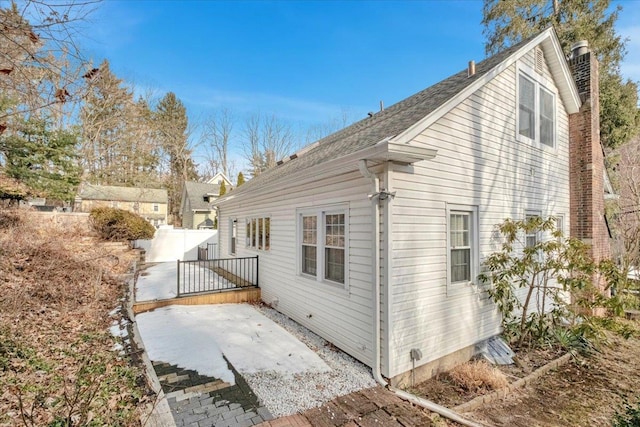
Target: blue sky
(305, 61)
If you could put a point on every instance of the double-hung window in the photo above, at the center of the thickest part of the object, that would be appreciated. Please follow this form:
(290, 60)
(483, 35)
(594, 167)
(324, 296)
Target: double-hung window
(536, 111)
(531, 236)
(462, 240)
(323, 244)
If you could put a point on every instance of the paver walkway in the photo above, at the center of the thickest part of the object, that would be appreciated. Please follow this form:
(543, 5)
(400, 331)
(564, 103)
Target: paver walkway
(199, 401)
(366, 408)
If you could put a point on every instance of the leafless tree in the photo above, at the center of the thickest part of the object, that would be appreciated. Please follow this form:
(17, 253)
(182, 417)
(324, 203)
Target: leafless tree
(41, 66)
(343, 119)
(265, 141)
(216, 136)
(626, 208)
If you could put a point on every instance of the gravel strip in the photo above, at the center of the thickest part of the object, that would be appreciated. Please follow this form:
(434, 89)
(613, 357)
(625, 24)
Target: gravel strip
(289, 394)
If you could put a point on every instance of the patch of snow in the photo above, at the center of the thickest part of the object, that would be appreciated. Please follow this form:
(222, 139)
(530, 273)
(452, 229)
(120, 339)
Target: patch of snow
(196, 337)
(157, 282)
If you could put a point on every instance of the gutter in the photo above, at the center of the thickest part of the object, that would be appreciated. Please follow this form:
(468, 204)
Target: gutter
(377, 375)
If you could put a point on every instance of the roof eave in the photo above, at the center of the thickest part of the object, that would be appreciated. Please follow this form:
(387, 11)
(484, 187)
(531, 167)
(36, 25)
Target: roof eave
(383, 151)
(564, 80)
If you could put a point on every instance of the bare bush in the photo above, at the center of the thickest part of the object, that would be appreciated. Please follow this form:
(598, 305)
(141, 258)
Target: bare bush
(477, 375)
(56, 353)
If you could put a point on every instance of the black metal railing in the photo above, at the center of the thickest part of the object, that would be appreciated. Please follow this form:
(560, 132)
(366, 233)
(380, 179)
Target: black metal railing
(207, 252)
(216, 275)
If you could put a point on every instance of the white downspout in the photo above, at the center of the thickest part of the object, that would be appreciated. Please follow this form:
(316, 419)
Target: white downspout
(377, 375)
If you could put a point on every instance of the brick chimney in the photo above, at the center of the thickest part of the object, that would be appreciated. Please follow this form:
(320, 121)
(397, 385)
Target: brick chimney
(586, 164)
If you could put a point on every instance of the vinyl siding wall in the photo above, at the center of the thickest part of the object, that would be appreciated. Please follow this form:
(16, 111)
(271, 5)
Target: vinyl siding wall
(479, 163)
(342, 316)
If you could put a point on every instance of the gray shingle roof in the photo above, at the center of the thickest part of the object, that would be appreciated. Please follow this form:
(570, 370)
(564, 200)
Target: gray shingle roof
(122, 194)
(387, 123)
(196, 192)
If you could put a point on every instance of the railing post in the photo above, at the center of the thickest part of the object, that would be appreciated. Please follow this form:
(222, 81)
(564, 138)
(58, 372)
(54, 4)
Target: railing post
(178, 280)
(257, 272)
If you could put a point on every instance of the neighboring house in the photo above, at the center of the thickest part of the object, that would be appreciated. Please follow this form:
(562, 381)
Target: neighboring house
(197, 207)
(373, 237)
(149, 203)
(218, 178)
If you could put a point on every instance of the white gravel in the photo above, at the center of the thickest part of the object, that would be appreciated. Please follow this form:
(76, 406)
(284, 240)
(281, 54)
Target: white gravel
(284, 394)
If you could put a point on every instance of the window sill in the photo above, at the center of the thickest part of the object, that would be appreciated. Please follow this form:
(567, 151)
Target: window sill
(326, 284)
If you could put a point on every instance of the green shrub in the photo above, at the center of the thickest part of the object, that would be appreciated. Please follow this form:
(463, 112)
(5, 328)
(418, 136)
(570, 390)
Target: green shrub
(120, 225)
(630, 418)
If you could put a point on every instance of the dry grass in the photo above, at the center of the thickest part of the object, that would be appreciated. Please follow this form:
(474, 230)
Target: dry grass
(478, 375)
(57, 366)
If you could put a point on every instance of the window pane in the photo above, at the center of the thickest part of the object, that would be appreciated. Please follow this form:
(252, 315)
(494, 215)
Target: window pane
(309, 229)
(309, 260)
(267, 233)
(459, 229)
(526, 124)
(260, 231)
(254, 230)
(546, 117)
(531, 238)
(334, 230)
(334, 264)
(460, 265)
(248, 233)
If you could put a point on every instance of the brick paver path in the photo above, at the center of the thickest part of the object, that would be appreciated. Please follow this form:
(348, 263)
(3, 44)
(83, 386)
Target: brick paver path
(201, 401)
(366, 408)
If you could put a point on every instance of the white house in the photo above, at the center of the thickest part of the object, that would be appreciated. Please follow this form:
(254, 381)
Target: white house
(373, 237)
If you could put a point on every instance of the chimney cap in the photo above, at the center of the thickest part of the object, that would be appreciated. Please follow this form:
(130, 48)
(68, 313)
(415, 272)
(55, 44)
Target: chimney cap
(579, 48)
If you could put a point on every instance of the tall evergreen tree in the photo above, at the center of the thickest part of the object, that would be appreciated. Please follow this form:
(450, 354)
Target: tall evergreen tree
(172, 127)
(43, 159)
(508, 22)
(240, 179)
(223, 189)
(119, 144)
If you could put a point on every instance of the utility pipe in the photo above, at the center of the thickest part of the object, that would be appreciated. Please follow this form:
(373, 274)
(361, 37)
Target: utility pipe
(377, 375)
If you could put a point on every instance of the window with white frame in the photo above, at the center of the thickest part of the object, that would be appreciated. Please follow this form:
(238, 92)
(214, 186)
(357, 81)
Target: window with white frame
(560, 225)
(258, 233)
(323, 244)
(531, 236)
(536, 111)
(156, 207)
(463, 253)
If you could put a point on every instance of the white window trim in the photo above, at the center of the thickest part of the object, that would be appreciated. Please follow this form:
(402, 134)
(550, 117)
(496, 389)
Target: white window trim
(320, 213)
(560, 219)
(540, 82)
(456, 287)
(528, 213)
(233, 249)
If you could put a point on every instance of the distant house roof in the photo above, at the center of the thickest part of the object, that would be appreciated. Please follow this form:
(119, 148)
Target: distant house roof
(197, 190)
(122, 194)
(402, 117)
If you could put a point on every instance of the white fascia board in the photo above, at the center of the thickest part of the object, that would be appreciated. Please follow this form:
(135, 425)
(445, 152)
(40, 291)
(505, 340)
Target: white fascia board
(562, 73)
(572, 102)
(383, 151)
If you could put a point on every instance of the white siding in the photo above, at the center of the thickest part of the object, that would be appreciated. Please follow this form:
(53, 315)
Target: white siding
(479, 163)
(342, 316)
